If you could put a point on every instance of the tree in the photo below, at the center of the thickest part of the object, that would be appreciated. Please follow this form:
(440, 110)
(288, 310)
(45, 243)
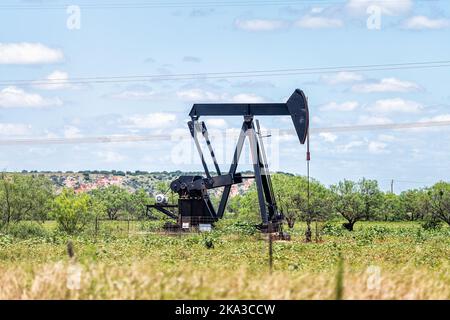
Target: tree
(291, 196)
(138, 203)
(392, 208)
(440, 201)
(24, 197)
(114, 198)
(248, 207)
(161, 187)
(416, 203)
(371, 196)
(72, 211)
(349, 202)
(292, 200)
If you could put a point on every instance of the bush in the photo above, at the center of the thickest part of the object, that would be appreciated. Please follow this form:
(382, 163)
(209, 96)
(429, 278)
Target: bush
(73, 211)
(24, 197)
(379, 232)
(27, 230)
(236, 227)
(208, 242)
(332, 229)
(364, 237)
(5, 239)
(432, 224)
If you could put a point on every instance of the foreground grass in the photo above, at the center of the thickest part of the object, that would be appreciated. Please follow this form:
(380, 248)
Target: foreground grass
(381, 261)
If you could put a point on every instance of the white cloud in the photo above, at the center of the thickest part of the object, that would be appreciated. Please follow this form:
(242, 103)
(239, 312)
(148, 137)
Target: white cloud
(14, 129)
(342, 78)
(386, 137)
(365, 120)
(28, 53)
(216, 123)
(54, 81)
(314, 119)
(377, 147)
(135, 95)
(351, 145)
(441, 117)
(423, 22)
(283, 137)
(49, 134)
(260, 24)
(391, 8)
(438, 118)
(395, 105)
(13, 97)
(247, 98)
(110, 156)
(316, 10)
(328, 136)
(344, 106)
(253, 84)
(71, 132)
(312, 22)
(149, 121)
(199, 95)
(387, 85)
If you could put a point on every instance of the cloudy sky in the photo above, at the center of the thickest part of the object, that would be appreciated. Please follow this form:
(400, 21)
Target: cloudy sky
(77, 72)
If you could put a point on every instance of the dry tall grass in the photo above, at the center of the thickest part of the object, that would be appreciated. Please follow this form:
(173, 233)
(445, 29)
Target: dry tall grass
(380, 261)
(147, 280)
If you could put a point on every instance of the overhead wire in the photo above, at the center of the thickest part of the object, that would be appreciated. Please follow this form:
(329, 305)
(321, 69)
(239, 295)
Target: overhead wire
(166, 137)
(230, 74)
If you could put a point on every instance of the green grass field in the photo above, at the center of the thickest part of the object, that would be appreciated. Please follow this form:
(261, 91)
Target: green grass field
(380, 261)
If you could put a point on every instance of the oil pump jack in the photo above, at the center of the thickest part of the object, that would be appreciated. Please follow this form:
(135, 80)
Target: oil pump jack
(194, 209)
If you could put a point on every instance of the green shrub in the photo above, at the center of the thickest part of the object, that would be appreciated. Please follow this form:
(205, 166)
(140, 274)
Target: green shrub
(431, 224)
(208, 242)
(373, 232)
(152, 225)
(72, 211)
(420, 237)
(365, 237)
(5, 239)
(236, 226)
(332, 229)
(27, 230)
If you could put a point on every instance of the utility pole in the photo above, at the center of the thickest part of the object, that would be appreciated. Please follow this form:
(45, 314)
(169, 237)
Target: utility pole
(309, 217)
(392, 186)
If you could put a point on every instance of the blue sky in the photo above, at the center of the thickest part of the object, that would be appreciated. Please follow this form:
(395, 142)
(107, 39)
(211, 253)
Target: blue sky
(36, 44)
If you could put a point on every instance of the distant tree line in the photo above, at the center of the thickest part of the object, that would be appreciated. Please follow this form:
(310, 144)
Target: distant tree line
(34, 197)
(351, 200)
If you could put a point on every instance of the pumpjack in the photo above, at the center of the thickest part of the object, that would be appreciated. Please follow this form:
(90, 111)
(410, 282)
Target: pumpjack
(194, 209)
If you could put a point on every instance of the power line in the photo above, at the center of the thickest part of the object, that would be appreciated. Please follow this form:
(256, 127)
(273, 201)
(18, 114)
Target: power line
(231, 74)
(162, 137)
(391, 126)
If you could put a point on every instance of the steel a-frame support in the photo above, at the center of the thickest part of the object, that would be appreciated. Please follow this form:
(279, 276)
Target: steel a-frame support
(266, 199)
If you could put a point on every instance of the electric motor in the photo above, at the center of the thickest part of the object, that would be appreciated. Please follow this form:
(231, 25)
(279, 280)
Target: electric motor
(161, 199)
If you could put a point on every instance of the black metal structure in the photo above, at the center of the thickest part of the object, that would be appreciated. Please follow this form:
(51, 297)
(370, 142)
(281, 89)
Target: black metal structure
(194, 205)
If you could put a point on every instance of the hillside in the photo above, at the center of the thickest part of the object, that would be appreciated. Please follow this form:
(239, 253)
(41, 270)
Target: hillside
(151, 182)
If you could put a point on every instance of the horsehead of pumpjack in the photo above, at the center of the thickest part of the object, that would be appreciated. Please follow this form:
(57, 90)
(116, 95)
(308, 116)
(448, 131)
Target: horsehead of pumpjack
(194, 208)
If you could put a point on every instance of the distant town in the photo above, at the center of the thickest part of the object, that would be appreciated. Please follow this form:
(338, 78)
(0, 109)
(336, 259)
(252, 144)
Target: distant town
(151, 182)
